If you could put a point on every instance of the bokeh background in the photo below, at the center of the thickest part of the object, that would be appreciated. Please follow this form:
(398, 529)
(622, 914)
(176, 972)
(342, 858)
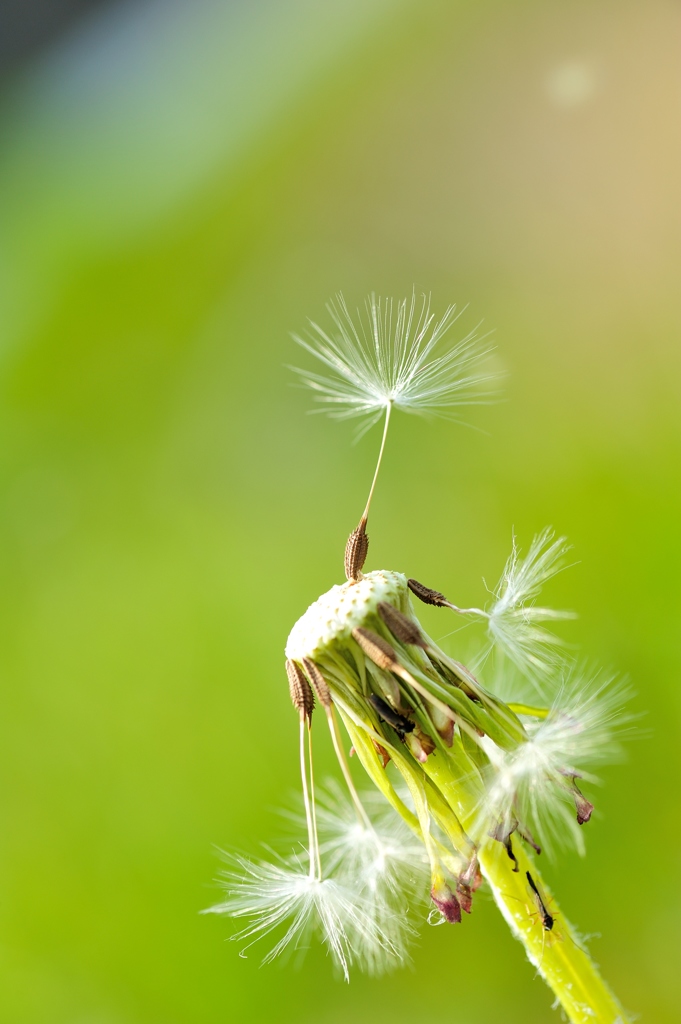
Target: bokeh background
(181, 185)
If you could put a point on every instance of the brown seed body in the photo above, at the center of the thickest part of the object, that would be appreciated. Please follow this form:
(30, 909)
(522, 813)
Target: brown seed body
(376, 648)
(300, 690)
(427, 595)
(319, 683)
(403, 629)
(356, 551)
(583, 806)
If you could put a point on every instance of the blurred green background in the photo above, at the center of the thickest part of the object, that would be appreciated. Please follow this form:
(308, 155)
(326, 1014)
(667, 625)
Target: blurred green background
(181, 185)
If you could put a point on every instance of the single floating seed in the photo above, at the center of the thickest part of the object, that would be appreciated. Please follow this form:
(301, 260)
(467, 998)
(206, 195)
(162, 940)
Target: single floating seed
(356, 552)
(300, 690)
(319, 683)
(427, 595)
(401, 627)
(376, 648)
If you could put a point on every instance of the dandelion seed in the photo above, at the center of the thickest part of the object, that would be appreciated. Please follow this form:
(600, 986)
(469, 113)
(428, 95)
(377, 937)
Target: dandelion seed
(356, 551)
(389, 357)
(513, 622)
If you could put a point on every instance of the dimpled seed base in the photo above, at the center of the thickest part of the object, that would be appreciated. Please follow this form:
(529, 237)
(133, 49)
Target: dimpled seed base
(335, 614)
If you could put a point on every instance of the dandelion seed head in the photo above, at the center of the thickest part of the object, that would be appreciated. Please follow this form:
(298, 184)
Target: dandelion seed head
(332, 617)
(391, 356)
(476, 770)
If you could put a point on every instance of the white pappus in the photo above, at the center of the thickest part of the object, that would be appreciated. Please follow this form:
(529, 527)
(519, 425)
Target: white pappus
(272, 894)
(514, 618)
(536, 784)
(389, 358)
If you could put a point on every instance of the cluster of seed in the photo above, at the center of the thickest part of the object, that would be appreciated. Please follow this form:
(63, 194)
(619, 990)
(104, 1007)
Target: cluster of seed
(337, 621)
(412, 691)
(331, 618)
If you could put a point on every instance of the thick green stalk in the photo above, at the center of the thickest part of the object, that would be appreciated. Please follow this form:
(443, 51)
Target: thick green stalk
(556, 952)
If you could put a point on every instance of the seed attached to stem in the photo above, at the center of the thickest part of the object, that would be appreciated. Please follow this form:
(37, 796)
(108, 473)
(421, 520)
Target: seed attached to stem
(321, 687)
(583, 806)
(356, 551)
(401, 627)
(427, 595)
(300, 690)
(377, 649)
(502, 833)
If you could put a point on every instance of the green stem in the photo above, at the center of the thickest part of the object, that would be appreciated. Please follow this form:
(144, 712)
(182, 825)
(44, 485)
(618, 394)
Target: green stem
(556, 952)
(388, 410)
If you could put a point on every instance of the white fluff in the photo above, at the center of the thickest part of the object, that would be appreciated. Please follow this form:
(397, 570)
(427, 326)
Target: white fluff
(272, 895)
(383, 858)
(388, 358)
(513, 621)
(531, 783)
(381, 861)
